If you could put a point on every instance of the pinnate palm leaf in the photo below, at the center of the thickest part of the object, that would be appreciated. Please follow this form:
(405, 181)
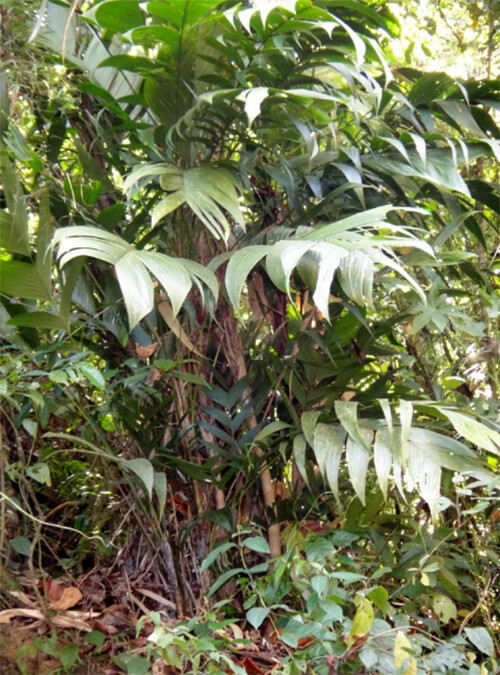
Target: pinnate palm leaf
(360, 441)
(133, 268)
(211, 192)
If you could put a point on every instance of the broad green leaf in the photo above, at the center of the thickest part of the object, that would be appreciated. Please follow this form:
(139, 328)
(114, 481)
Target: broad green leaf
(473, 431)
(405, 415)
(357, 462)
(59, 376)
(184, 13)
(308, 423)
(359, 220)
(38, 320)
(270, 429)
(166, 206)
(363, 620)
(257, 615)
(382, 457)
(209, 192)
(439, 169)
(330, 257)
(160, 488)
(204, 274)
(460, 113)
(447, 452)
(258, 544)
(239, 267)
(282, 259)
(31, 427)
(14, 225)
(119, 16)
(136, 286)
(253, 99)
(135, 64)
(346, 412)
(23, 280)
(429, 484)
(356, 277)
(429, 87)
(95, 638)
(223, 578)
(214, 554)
(299, 455)
(481, 639)
(319, 583)
(93, 375)
(171, 274)
(149, 35)
(380, 596)
(333, 611)
(333, 464)
(444, 608)
(40, 472)
(130, 266)
(21, 545)
(324, 443)
(68, 655)
(146, 171)
(10, 239)
(144, 470)
(404, 655)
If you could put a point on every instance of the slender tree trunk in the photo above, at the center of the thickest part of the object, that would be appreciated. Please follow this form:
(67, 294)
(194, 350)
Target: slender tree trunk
(233, 349)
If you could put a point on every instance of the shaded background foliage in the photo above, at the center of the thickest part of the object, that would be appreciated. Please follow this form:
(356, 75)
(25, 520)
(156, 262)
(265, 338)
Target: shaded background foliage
(274, 290)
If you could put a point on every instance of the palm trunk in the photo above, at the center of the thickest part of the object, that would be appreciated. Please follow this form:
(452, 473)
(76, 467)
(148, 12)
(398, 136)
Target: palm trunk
(233, 350)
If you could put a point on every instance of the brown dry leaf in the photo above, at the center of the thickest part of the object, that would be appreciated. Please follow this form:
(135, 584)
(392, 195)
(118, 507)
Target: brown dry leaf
(94, 589)
(330, 662)
(106, 628)
(70, 597)
(114, 619)
(73, 619)
(23, 598)
(54, 590)
(154, 376)
(157, 597)
(145, 352)
(7, 614)
(162, 668)
(237, 632)
(250, 666)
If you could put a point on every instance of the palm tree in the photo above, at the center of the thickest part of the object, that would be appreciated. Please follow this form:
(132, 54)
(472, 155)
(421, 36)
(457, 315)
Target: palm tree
(290, 201)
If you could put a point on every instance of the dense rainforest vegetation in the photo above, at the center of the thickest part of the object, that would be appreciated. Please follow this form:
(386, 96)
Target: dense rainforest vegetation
(250, 337)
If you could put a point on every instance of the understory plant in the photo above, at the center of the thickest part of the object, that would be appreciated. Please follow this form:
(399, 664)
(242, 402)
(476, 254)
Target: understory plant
(250, 288)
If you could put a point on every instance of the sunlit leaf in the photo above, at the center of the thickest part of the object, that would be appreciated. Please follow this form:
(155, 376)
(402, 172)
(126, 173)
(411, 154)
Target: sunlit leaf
(143, 469)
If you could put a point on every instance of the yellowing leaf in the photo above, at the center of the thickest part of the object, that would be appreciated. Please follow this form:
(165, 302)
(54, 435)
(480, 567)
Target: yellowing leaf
(403, 655)
(362, 622)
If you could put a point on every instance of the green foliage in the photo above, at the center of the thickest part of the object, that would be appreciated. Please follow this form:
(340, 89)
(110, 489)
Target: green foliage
(330, 602)
(242, 242)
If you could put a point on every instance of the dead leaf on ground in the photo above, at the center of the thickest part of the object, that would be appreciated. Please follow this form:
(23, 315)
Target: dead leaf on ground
(74, 619)
(157, 597)
(53, 589)
(23, 598)
(70, 597)
(162, 668)
(237, 632)
(250, 666)
(94, 589)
